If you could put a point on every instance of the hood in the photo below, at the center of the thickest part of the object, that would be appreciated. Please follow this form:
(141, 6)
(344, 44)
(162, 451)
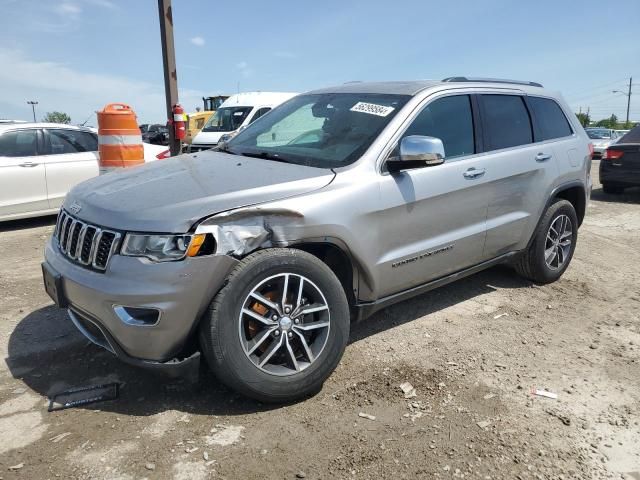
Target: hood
(208, 138)
(171, 195)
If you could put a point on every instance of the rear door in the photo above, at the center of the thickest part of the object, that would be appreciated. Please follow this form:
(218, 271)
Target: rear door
(432, 220)
(72, 157)
(23, 188)
(521, 172)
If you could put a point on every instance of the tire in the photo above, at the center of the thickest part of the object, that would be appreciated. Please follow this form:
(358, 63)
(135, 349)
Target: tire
(612, 189)
(533, 265)
(228, 334)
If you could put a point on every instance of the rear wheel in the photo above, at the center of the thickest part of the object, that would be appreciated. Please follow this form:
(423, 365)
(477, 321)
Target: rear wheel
(553, 244)
(278, 328)
(612, 189)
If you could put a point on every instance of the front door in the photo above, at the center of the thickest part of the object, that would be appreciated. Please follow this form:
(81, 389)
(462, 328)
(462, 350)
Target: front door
(23, 187)
(72, 157)
(432, 220)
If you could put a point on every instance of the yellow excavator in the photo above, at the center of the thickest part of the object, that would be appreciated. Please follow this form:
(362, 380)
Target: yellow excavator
(197, 119)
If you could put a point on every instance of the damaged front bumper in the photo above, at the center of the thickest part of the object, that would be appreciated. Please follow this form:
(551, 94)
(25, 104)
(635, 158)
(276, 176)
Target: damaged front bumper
(178, 291)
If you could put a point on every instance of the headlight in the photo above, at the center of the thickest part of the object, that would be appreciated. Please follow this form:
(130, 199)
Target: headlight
(162, 248)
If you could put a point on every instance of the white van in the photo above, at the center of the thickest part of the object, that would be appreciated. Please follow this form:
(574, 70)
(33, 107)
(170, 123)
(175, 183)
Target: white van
(237, 111)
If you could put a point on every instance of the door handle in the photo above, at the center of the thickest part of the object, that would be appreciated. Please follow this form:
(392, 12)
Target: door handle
(29, 164)
(474, 173)
(543, 157)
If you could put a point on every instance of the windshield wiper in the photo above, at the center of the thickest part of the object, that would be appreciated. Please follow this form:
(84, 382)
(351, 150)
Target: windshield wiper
(265, 156)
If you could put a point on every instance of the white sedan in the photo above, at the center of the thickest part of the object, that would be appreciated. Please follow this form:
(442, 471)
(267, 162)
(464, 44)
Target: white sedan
(40, 162)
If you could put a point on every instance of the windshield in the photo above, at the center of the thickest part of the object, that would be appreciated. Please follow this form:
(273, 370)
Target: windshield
(320, 130)
(227, 119)
(599, 134)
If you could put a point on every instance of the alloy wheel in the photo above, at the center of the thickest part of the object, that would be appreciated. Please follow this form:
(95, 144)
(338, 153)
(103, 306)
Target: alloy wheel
(558, 242)
(284, 324)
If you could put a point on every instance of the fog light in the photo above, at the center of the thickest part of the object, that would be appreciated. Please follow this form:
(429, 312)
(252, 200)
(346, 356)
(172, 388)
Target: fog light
(137, 316)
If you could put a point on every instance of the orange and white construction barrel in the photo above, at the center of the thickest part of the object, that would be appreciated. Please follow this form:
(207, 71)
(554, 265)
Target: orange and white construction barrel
(119, 138)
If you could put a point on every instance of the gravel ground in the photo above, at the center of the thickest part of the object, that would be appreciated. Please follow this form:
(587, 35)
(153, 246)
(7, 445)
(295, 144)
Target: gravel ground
(473, 350)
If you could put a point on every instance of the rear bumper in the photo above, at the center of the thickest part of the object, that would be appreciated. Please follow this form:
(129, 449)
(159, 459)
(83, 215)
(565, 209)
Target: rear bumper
(619, 175)
(179, 291)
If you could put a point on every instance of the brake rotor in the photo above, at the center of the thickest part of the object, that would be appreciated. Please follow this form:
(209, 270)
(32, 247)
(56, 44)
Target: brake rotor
(253, 326)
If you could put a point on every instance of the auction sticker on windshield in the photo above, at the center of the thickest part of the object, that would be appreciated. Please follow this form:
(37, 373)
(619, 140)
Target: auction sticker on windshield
(372, 109)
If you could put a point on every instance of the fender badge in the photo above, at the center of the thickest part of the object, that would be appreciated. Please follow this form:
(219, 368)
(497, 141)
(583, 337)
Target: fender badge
(75, 207)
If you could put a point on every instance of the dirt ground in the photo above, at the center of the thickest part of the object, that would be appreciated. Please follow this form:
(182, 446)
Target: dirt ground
(473, 350)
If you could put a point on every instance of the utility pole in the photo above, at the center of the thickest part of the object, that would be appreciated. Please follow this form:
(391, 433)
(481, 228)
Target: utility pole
(33, 109)
(588, 117)
(169, 68)
(628, 95)
(628, 101)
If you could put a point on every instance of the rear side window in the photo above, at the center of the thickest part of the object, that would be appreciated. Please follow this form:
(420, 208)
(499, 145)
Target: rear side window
(449, 119)
(550, 119)
(21, 143)
(506, 121)
(72, 141)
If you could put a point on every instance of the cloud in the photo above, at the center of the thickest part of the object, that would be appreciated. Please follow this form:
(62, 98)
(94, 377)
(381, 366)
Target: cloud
(102, 3)
(68, 8)
(245, 70)
(59, 87)
(198, 41)
(67, 15)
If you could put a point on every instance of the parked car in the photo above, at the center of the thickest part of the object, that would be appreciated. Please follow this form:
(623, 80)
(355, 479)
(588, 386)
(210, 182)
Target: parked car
(620, 165)
(40, 162)
(156, 134)
(601, 139)
(336, 204)
(235, 113)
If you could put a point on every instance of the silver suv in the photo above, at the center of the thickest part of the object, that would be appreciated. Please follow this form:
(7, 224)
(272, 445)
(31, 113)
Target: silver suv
(332, 206)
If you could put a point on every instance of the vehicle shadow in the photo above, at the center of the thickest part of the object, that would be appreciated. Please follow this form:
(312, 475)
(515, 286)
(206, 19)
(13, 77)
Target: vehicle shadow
(50, 356)
(630, 195)
(27, 223)
(438, 299)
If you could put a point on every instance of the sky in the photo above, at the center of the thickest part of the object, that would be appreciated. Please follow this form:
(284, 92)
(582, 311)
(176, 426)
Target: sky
(76, 56)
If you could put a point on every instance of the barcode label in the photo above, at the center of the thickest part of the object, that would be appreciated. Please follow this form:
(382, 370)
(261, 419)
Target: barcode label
(372, 109)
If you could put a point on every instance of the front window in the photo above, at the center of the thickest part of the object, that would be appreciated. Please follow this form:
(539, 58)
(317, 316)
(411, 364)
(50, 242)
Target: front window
(599, 134)
(227, 119)
(320, 130)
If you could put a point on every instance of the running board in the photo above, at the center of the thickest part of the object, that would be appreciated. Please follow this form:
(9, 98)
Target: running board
(366, 309)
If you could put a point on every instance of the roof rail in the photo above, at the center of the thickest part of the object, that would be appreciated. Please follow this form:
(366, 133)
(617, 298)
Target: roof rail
(491, 80)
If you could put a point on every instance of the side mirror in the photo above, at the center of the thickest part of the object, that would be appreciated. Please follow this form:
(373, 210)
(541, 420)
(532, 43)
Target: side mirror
(417, 151)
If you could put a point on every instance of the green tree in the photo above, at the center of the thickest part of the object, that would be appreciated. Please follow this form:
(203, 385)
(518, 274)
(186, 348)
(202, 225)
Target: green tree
(611, 122)
(57, 117)
(584, 119)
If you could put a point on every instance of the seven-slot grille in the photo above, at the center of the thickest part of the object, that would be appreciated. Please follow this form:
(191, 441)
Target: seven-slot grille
(83, 243)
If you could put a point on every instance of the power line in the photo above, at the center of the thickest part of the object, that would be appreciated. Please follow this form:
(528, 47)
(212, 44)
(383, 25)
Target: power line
(583, 93)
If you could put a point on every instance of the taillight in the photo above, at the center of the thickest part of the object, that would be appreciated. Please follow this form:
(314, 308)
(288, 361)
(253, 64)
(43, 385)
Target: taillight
(163, 155)
(590, 148)
(612, 154)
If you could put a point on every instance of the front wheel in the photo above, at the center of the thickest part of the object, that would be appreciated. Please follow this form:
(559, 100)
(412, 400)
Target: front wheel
(553, 244)
(279, 326)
